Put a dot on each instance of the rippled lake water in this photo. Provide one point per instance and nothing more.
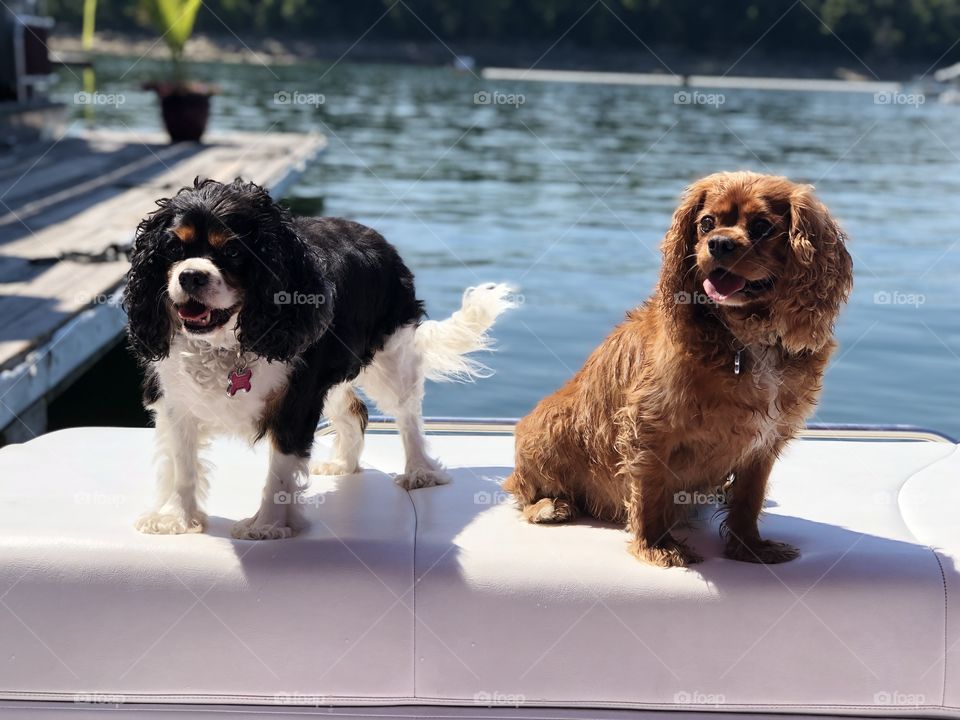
(568, 194)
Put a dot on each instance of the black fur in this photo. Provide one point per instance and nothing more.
(151, 389)
(324, 293)
(372, 295)
(145, 297)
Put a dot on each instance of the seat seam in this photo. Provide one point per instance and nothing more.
(413, 591)
(946, 619)
(381, 701)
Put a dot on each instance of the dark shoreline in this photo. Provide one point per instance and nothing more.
(667, 60)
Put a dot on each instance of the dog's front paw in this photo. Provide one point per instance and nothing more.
(422, 478)
(168, 523)
(668, 552)
(250, 529)
(768, 552)
(333, 467)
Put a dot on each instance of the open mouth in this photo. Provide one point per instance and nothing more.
(198, 318)
(721, 285)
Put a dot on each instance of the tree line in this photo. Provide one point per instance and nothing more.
(892, 29)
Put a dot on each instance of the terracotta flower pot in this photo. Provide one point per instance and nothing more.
(186, 110)
(185, 115)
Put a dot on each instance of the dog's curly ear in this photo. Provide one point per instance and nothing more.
(149, 328)
(288, 305)
(677, 286)
(817, 279)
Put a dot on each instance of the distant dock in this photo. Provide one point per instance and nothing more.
(68, 212)
(692, 81)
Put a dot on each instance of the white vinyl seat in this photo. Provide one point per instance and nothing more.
(91, 606)
(444, 597)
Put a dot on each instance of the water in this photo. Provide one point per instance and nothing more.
(569, 194)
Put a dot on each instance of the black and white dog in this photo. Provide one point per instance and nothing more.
(253, 322)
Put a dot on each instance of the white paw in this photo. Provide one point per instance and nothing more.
(249, 530)
(161, 523)
(422, 478)
(333, 467)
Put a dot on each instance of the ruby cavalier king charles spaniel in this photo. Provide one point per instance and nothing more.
(704, 384)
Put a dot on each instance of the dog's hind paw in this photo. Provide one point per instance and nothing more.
(668, 552)
(767, 552)
(550, 510)
(422, 478)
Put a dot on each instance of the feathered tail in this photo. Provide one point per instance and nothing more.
(446, 344)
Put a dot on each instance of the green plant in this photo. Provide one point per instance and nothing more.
(89, 23)
(174, 20)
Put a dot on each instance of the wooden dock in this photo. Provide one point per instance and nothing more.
(81, 198)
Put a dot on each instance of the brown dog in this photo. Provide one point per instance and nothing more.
(706, 381)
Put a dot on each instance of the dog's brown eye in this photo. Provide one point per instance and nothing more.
(706, 224)
(173, 248)
(231, 251)
(759, 229)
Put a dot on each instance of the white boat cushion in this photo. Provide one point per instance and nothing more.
(563, 614)
(91, 606)
(444, 596)
(930, 504)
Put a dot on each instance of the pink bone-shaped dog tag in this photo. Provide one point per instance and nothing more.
(239, 380)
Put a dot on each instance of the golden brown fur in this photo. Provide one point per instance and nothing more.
(658, 408)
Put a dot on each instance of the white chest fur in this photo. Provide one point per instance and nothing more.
(194, 379)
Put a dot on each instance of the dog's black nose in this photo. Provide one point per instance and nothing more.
(193, 280)
(720, 245)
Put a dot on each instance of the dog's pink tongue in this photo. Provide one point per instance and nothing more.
(191, 310)
(720, 285)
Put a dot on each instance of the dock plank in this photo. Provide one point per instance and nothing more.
(98, 203)
(31, 312)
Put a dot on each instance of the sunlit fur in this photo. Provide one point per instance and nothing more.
(312, 307)
(658, 409)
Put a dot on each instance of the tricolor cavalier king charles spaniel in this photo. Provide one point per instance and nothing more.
(253, 322)
(703, 385)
